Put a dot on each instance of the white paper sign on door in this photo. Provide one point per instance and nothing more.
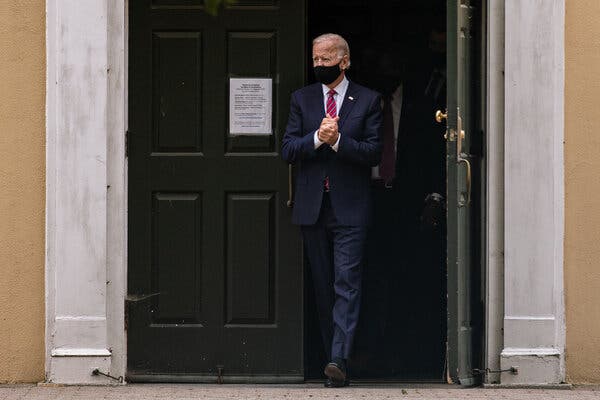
(250, 106)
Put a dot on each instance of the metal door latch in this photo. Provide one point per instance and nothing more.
(512, 370)
(96, 372)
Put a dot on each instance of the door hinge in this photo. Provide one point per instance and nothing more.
(126, 316)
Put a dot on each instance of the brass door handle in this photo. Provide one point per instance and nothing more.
(440, 116)
(461, 157)
(468, 165)
(290, 202)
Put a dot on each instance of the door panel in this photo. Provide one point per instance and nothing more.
(463, 265)
(177, 111)
(214, 262)
(250, 216)
(176, 273)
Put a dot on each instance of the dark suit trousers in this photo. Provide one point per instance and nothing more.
(335, 254)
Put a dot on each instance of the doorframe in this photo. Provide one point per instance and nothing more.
(525, 317)
(86, 190)
(493, 245)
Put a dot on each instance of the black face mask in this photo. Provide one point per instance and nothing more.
(326, 75)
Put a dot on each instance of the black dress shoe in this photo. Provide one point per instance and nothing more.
(336, 371)
(330, 383)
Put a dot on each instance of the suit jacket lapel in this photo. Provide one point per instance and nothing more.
(348, 104)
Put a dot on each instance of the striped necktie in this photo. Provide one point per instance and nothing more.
(332, 111)
(331, 106)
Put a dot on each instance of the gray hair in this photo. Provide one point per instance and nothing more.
(340, 43)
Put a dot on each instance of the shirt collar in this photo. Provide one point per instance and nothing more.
(340, 88)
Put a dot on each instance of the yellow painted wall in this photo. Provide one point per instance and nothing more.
(22, 191)
(582, 180)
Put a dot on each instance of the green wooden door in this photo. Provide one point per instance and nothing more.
(462, 166)
(215, 266)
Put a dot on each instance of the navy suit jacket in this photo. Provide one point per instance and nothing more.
(349, 169)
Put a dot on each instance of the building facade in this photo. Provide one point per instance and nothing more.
(65, 205)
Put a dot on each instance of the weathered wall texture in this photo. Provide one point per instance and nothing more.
(22, 180)
(582, 180)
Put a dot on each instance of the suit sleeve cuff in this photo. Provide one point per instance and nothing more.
(316, 140)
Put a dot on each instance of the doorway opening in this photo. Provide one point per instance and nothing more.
(214, 261)
(398, 49)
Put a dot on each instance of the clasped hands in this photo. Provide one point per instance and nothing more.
(328, 131)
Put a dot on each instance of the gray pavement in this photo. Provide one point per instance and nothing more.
(263, 392)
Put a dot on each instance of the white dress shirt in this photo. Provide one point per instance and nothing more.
(338, 97)
(396, 100)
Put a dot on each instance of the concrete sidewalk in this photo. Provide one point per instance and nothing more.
(287, 392)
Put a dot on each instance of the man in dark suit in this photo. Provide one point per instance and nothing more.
(333, 137)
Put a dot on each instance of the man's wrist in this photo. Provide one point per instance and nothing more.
(336, 145)
(317, 142)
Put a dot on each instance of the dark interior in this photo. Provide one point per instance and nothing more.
(402, 330)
